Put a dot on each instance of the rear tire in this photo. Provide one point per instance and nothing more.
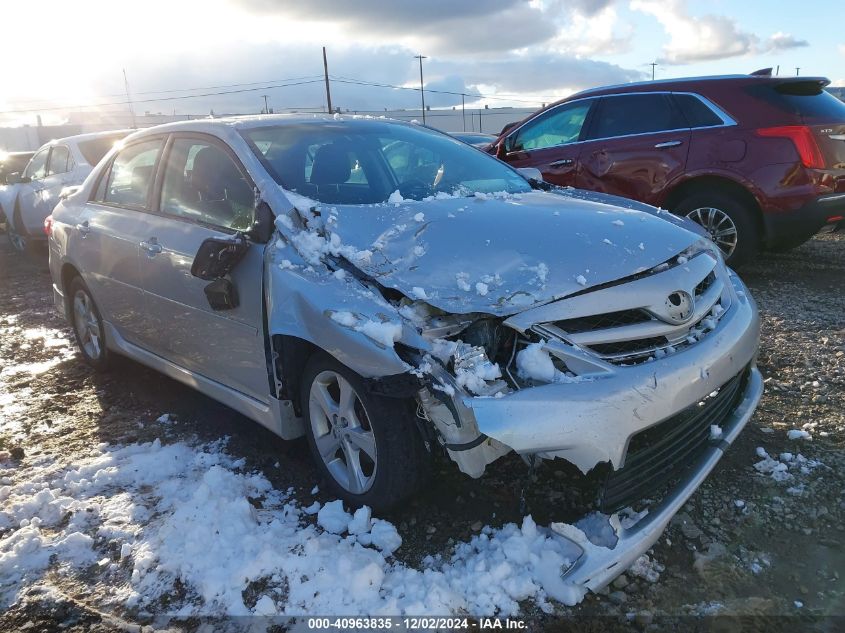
(366, 447)
(731, 225)
(88, 326)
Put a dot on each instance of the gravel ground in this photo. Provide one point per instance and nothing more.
(762, 537)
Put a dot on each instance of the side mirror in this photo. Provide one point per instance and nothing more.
(217, 257)
(16, 179)
(500, 150)
(264, 225)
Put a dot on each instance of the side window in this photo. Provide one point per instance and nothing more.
(696, 112)
(37, 167)
(558, 127)
(203, 183)
(635, 114)
(130, 177)
(58, 160)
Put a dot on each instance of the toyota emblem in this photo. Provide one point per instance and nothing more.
(679, 306)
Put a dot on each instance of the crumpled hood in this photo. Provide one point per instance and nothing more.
(503, 254)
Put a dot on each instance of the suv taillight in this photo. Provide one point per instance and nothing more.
(48, 225)
(804, 141)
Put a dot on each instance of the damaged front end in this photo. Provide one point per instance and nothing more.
(630, 375)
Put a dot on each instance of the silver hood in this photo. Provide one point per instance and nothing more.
(502, 255)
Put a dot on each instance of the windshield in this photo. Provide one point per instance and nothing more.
(367, 162)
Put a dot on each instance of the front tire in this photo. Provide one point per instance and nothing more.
(366, 447)
(730, 224)
(88, 326)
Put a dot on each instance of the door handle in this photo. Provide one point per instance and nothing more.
(83, 228)
(151, 246)
(668, 144)
(562, 162)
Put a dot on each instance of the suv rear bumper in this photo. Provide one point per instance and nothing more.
(795, 227)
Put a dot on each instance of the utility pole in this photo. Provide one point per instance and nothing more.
(266, 107)
(422, 91)
(652, 64)
(463, 111)
(777, 70)
(797, 70)
(129, 100)
(326, 75)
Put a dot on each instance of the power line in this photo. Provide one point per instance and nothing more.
(194, 96)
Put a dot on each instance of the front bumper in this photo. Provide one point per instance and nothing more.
(602, 565)
(795, 227)
(592, 421)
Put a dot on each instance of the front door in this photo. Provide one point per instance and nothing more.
(205, 193)
(635, 145)
(549, 142)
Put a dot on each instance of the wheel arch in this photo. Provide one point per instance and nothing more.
(721, 184)
(67, 274)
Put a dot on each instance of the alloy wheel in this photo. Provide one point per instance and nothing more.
(719, 226)
(87, 325)
(342, 432)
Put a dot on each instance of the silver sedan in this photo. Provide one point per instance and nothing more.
(394, 294)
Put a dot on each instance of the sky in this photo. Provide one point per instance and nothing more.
(518, 53)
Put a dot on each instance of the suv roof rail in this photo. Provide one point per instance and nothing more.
(763, 72)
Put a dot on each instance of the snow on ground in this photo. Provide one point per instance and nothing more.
(136, 518)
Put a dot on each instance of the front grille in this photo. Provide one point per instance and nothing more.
(660, 454)
(629, 348)
(705, 283)
(602, 321)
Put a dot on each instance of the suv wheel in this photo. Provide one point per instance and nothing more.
(729, 224)
(367, 447)
(87, 325)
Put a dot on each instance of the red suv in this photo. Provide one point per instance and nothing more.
(759, 161)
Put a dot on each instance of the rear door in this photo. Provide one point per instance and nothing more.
(636, 144)
(550, 142)
(107, 238)
(30, 193)
(205, 192)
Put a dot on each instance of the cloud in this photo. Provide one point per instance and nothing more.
(707, 37)
(694, 39)
(438, 26)
(842, 49)
(784, 41)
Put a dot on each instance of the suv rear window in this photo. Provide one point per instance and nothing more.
(806, 100)
(696, 112)
(95, 149)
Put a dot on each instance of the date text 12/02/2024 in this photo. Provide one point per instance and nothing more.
(415, 623)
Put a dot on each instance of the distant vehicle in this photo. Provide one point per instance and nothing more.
(758, 161)
(394, 294)
(31, 195)
(476, 139)
(10, 163)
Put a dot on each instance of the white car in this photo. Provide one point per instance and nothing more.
(31, 195)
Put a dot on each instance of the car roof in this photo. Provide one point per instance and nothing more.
(210, 125)
(684, 83)
(89, 136)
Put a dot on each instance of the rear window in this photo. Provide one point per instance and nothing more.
(696, 112)
(94, 150)
(804, 100)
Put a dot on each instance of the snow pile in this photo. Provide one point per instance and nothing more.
(785, 466)
(152, 514)
(383, 332)
(535, 363)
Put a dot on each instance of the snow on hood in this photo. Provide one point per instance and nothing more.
(501, 254)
